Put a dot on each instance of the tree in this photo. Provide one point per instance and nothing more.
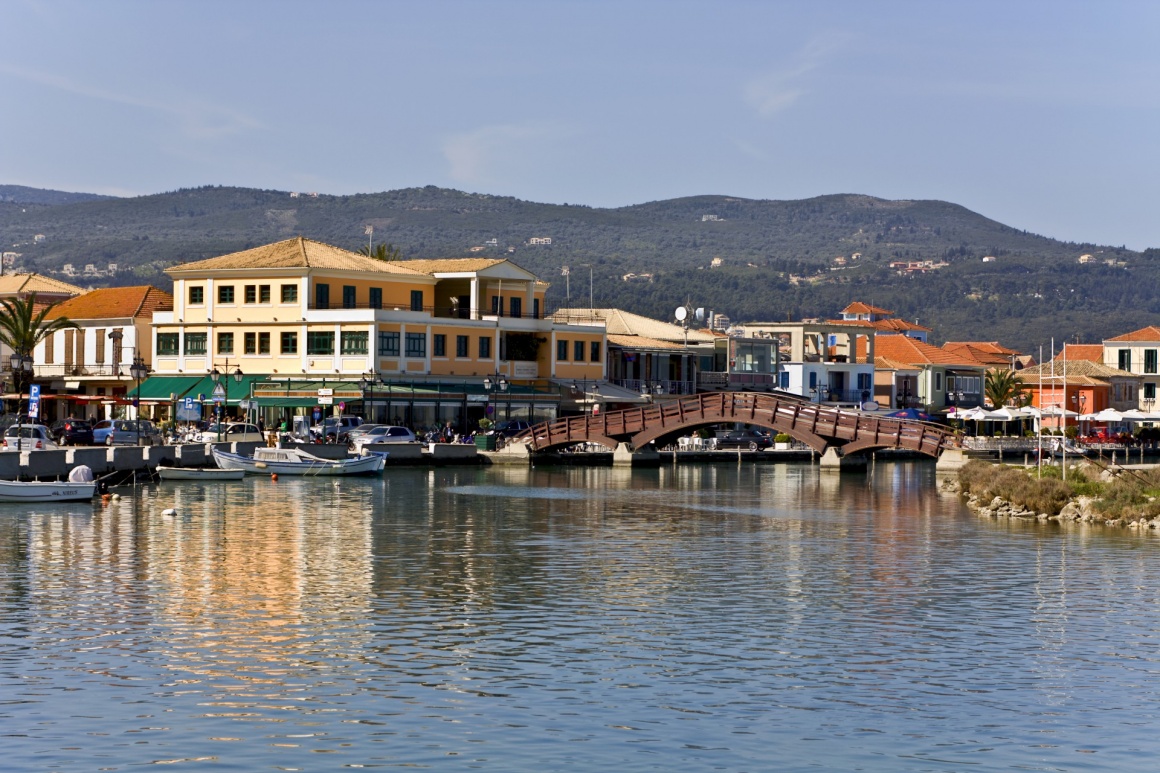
(23, 325)
(1002, 387)
(382, 252)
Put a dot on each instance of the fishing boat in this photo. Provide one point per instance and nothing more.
(46, 491)
(199, 473)
(295, 461)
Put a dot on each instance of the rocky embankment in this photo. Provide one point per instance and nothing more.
(1079, 509)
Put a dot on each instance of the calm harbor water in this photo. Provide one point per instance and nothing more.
(735, 618)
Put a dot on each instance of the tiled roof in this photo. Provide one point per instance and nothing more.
(857, 307)
(882, 325)
(984, 353)
(994, 347)
(25, 284)
(914, 352)
(1074, 368)
(1150, 333)
(642, 342)
(295, 253)
(885, 363)
(620, 322)
(114, 303)
(1090, 352)
(448, 265)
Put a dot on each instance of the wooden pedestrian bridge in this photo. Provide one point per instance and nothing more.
(831, 432)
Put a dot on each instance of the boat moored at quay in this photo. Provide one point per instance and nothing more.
(295, 461)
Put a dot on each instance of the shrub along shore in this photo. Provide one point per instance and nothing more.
(1120, 497)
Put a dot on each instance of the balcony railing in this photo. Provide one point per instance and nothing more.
(718, 380)
(77, 371)
(662, 387)
(446, 312)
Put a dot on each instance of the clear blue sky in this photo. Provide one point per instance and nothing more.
(1042, 115)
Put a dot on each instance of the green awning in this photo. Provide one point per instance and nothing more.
(162, 387)
(286, 402)
(235, 391)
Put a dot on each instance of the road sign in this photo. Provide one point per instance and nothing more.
(326, 401)
(326, 392)
(219, 390)
(34, 401)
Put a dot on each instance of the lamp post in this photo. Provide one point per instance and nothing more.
(367, 383)
(493, 384)
(216, 375)
(21, 364)
(139, 370)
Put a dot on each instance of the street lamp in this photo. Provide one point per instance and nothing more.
(500, 384)
(21, 364)
(138, 370)
(216, 375)
(367, 382)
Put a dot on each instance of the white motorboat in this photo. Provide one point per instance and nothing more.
(206, 474)
(295, 461)
(46, 491)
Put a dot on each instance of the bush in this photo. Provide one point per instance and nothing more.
(781, 437)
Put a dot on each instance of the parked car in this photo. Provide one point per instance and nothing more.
(383, 434)
(753, 439)
(361, 429)
(134, 432)
(231, 433)
(28, 437)
(511, 428)
(72, 432)
(101, 431)
(336, 428)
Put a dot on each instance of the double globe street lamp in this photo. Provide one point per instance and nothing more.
(216, 375)
(139, 371)
(21, 364)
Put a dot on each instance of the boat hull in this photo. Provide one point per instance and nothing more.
(363, 465)
(22, 491)
(199, 473)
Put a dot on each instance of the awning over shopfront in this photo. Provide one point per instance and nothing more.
(235, 390)
(160, 388)
(599, 392)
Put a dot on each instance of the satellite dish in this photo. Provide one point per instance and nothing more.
(681, 313)
(700, 315)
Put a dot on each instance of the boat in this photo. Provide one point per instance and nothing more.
(295, 461)
(46, 491)
(199, 473)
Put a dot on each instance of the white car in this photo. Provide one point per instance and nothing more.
(231, 433)
(28, 437)
(384, 434)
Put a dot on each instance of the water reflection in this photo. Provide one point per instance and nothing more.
(686, 616)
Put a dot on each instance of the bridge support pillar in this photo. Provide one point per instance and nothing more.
(834, 461)
(626, 456)
(950, 460)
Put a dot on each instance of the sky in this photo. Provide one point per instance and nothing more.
(1040, 115)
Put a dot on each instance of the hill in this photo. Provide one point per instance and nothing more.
(749, 259)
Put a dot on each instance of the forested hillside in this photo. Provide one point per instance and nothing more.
(774, 259)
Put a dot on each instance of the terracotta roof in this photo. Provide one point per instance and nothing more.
(986, 353)
(114, 303)
(885, 363)
(642, 342)
(25, 284)
(857, 307)
(295, 253)
(448, 265)
(1089, 352)
(620, 322)
(882, 325)
(914, 352)
(1075, 368)
(1150, 333)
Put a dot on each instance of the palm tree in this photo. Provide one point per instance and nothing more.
(1002, 387)
(23, 325)
(382, 252)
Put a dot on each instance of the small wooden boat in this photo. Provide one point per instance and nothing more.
(46, 491)
(199, 473)
(295, 461)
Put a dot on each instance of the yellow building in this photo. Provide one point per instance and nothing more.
(420, 341)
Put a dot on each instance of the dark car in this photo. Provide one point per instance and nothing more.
(72, 432)
(745, 438)
(511, 428)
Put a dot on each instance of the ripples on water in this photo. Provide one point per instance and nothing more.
(690, 618)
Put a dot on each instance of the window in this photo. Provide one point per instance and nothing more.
(1125, 359)
(354, 342)
(251, 343)
(196, 295)
(938, 382)
(594, 350)
(225, 293)
(416, 300)
(561, 350)
(1150, 390)
(416, 344)
(813, 380)
(251, 293)
(578, 351)
(1149, 360)
(388, 344)
(166, 344)
(322, 296)
(195, 343)
(289, 343)
(496, 309)
(439, 342)
(535, 308)
(376, 297)
(484, 348)
(263, 293)
(864, 382)
(289, 293)
(461, 346)
(318, 342)
(348, 296)
(263, 343)
(517, 307)
(783, 380)
(225, 343)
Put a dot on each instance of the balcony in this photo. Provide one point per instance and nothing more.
(717, 380)
(104, 370)
(445, 312)
(655, 387)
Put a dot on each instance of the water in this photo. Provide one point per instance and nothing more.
(691, 618)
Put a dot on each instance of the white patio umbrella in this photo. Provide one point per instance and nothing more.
(973, 414)
(1107, 415)
(1004, 414)
(1135, 414)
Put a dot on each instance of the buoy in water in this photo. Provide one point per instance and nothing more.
(273, 476)
(171, 512)
(116, 497)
